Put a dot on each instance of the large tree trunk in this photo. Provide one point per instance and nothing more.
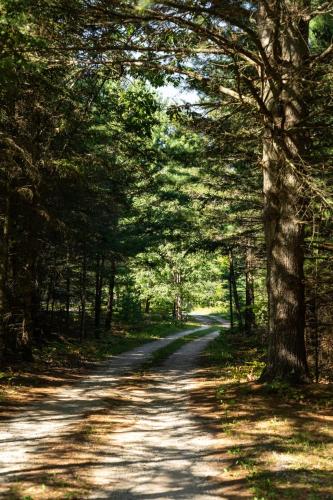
(283, 37)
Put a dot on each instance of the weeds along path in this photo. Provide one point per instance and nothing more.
(41, 424)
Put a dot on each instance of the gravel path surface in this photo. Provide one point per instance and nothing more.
(166, 454)
(22, 438)
(154, 449)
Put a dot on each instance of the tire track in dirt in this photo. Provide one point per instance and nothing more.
(165, 453)
(42, 424)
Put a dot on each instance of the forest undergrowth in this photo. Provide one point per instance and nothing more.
(276, 437)
(274, 440)
(65, 360)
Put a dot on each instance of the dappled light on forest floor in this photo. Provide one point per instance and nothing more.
(141, 436)
(136, 440)
(279, 437)
(65, 361)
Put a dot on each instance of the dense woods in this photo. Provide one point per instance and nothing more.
(166, 249)
(119, 206)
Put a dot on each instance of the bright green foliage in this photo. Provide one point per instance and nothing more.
(111, 200)
(167, 273)
(321, 32)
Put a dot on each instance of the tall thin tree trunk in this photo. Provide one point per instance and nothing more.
(27, 292)
(37, 301)
(147, 305)
(4, 260)
(284, 39)
(27, 326)
(249, 291)
(48, 293)
(315, 322)
(112, 282)
(52, 310)
(68, 291)
(231, 312)
(312, 314)
(83, 294)
(27, 283)
(235, 290)
(98, 293)
(179, 312)
(178, 298)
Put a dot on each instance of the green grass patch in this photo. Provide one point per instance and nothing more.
(70, 353)
(112, 344)
(219, 351)
(276, 436)
(161, 355)
(219, 311)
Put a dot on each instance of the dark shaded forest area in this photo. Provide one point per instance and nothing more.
(116, 204)
(166, 249)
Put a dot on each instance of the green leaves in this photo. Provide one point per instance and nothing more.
(143, 4)
(321, 32)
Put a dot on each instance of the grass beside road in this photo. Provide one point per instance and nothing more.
(120, 340)
(65, 360)
(276, 438)
(162, 354)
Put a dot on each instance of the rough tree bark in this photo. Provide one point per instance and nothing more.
(284, 39)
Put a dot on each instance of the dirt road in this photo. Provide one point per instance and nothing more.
(165, 453)
(153, 446)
